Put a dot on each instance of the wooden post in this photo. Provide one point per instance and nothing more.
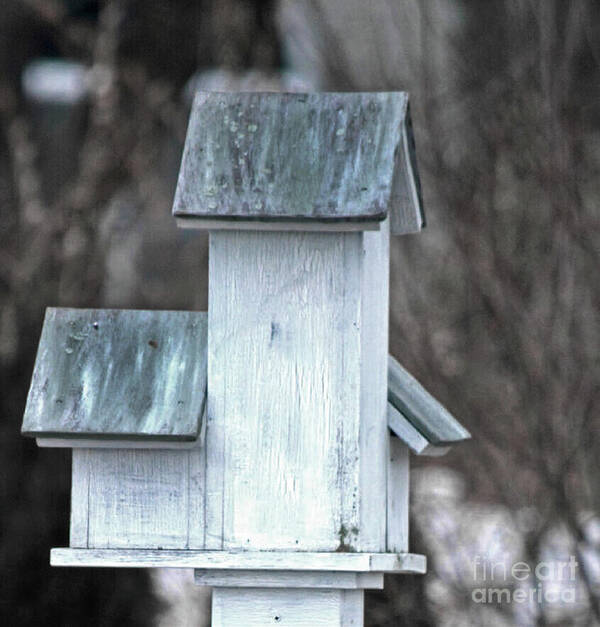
(257, 607)
(257, 598)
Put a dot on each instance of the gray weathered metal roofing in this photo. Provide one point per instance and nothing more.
(415, 441)
(433, 421)
(119, 374)
(323, 157)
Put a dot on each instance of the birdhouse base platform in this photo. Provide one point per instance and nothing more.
(407, 563)
(258, 588)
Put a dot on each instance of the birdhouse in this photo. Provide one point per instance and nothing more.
(264, 444)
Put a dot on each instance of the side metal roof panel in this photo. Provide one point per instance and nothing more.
(423, 411)
(118, 374)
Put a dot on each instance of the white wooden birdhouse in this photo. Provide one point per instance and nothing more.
(264, 444)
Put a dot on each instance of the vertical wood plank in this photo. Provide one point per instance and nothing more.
(352, 608)
(196, 491)
(373, 397)
(80, 477)
(398, 496)
(294, 607)
(138, 499)
(284, 371)
(215, 423)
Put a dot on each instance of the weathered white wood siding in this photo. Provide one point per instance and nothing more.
(257, 607)
(80, 473)
(398, 496)
(296, 422)
(295, 450)
(137, 499)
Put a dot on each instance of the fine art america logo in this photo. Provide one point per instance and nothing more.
(546, 582)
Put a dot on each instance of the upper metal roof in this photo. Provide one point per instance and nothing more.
(118, 374)
(433, 421)
(320, 157)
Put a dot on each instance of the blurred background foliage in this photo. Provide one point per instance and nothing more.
(495, 307)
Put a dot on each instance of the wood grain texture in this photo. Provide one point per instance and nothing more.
(295, 431)
(321, 157)
(284, 384)
(118, 374)
(234, 607)
(80, 488)
(243, 560)
(398, 497)
(196, 514)
(288, 579)
(138, 499)
(258, 607)
(423, 411)
(373, 431)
